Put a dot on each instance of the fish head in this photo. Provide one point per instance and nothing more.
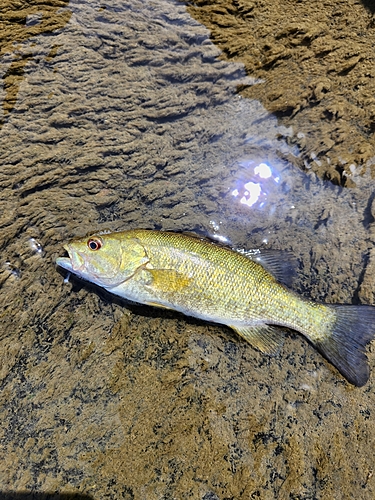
(104, 259)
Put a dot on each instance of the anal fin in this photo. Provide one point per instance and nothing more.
(267, 339)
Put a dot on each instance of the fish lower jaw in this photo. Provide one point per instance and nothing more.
(65, 263)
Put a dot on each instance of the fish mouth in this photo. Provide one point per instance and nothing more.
(65, 263)
(74, 263)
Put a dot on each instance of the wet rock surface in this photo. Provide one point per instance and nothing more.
(316, 65)
(126, 117)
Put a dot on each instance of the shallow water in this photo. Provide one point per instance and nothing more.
(125, 115)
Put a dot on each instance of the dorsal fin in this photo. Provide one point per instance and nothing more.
(280, 263)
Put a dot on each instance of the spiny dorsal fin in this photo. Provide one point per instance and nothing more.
(280, 263)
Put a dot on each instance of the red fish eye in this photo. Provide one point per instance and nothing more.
(94, 243)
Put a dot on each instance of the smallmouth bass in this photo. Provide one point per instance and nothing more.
(208, 281)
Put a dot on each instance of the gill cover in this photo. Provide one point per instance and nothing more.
(105, 259)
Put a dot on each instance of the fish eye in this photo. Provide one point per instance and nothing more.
(94, 243)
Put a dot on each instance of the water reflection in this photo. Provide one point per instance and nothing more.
(36, 246)
(215, 230)
(262, 182)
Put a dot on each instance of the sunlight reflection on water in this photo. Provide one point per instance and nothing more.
(255, 189)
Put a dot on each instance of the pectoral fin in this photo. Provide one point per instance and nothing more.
(166, 280)
(267, 339)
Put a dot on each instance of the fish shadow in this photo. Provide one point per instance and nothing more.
(369, 5)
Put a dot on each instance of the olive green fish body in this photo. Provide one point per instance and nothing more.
(212, 282)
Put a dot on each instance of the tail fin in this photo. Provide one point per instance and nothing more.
(345, 347)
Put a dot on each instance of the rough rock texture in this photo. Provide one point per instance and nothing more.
(317, 66)
(124, 116)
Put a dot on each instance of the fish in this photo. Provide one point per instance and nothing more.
(245, 290)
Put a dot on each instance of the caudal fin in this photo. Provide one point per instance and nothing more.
(345, 346)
